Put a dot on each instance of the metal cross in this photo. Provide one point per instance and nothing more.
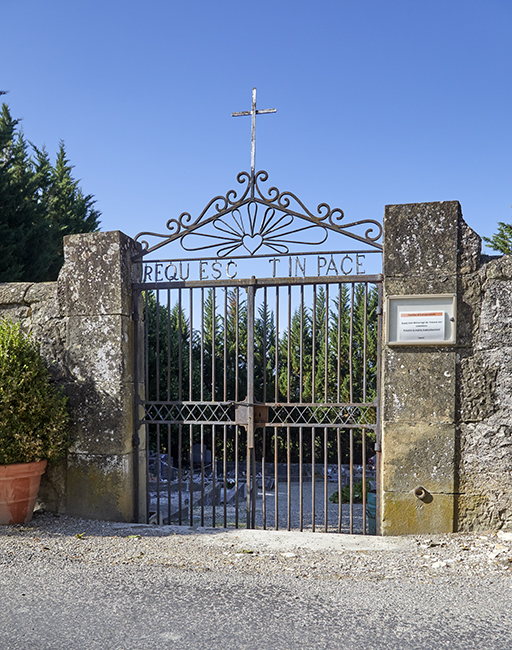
(253, 112)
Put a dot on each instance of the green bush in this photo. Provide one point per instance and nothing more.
(34, 421)
(345, 493)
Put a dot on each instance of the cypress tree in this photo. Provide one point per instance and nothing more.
(39, 204)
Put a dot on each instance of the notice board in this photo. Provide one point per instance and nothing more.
(421, 319)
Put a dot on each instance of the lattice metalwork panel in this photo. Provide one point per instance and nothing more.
(188, 412)
(323, 415)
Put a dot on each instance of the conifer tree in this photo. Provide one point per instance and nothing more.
(501, 241)
(39, 204)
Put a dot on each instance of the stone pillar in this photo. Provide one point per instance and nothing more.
(422, 255)
(95, 301)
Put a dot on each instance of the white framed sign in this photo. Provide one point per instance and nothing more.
(421, 319)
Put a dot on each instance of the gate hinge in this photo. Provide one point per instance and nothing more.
(135, 316)
(135, 440)
(378, 310)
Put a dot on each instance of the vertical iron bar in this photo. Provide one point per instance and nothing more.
(351, 397)
(146, 391)
(224, 473)
(288, 389)
(326, 379)
(190, 341)
(169, 473)
(214, 460)
(263, 491)
(301, 391)
(338, 398)
(251, 466)
(264, 432)
(136, 407)
(340, 487)
(157, 397)
(313, 346)
(378, 404)
(214, 476)
(191, 478)
(180, 472)
(201, 441)
(237, 428)
(363, 432)
(313, 355)
(214, 323)
(276, 399)
(169, 464)
(313, 481)
(225, 436)
(201, 365)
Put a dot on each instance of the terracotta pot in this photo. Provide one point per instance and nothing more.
(19, 485)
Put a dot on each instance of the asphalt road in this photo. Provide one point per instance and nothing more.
(79, 606)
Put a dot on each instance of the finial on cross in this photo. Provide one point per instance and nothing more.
(253, 112)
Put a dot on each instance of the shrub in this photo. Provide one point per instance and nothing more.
(34, 422)
(345, 493)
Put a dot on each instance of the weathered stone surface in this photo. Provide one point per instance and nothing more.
(97, 275)
(496, 316)
(421, 239)
(13, 293)
(418, 454)
(470, 249)
(404, 514)
(100, 349)
(488, 510)
(419, 384)
(100, 486)
(101, 422)
(499, 268)
(469, 300)
(40, 292)
(478, 399)
(399, 286)
(83, 326)
(52, 491)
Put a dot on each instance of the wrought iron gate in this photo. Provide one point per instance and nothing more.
(260, 405)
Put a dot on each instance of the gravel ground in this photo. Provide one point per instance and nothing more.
(81, 584)
(64, 540)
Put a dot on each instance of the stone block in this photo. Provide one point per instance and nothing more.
(41, 292)
(97, 274)
(404, 514)
(52, 491)
(100, 350)
(484, 511)
(470, 249)
(419, 384)
(102, 423)
(499, 268)
(420, 239)
(496, 315)
(418, 455)
(399, 286)
(469, 300)
(100, 487)
(13, 293)
(477, 387)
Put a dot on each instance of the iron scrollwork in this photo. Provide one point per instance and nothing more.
(257, 221)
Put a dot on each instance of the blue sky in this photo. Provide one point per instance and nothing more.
(378, 102)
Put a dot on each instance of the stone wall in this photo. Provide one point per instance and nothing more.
(485, 453)
(447, 410)
(84, 328)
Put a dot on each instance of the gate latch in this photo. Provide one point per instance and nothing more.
(260, 414)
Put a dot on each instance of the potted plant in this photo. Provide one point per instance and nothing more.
(34, 423)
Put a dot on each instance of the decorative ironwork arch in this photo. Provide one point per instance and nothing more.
(257, 221)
